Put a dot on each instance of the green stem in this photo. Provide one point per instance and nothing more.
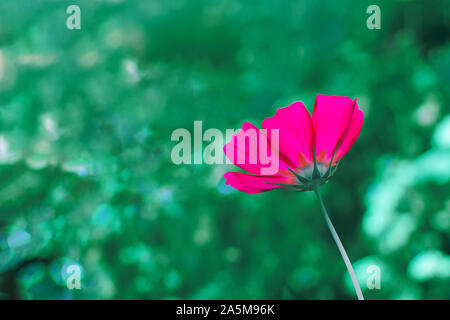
(340, 247)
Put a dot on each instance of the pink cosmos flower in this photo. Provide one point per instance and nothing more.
(308, 148)
(306, 151)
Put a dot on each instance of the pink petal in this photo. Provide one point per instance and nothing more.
(252, 184)
(352, 134)
(331, 118)
(247, 149)
(295, 133)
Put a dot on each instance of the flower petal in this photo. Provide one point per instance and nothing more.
(352, 134)
(295, 133)
(250, 150)
(331, 118)
(253, 184)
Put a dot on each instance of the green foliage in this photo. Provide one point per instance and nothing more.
(86, 176)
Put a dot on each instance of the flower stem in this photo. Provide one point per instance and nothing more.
(340, 247)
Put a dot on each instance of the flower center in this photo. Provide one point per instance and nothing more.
(307, 171)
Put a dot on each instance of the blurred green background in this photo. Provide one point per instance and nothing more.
(86, 176)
